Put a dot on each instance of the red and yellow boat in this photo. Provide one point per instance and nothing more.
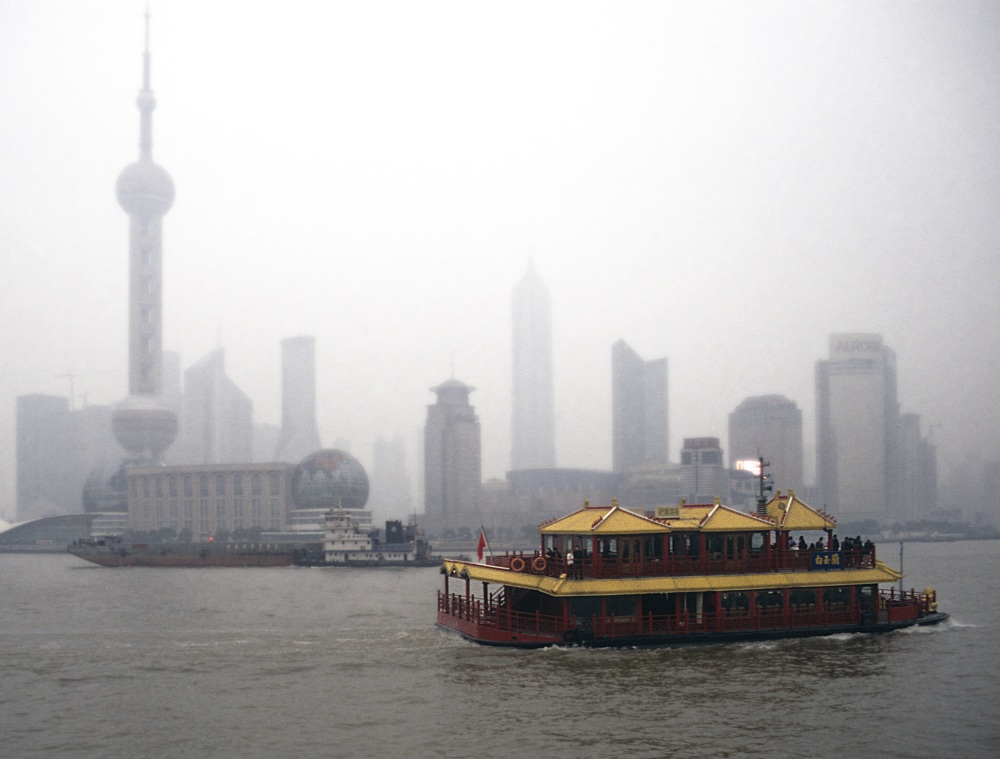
(704, 573)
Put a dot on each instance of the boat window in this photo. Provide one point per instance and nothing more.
(621, 606)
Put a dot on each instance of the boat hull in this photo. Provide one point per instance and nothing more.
(492, 636)
(186, 555)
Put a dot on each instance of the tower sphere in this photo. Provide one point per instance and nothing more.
(144, 425)
(145, 189)
(330, 479)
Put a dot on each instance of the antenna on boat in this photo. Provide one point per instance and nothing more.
(901, 569)
(764, 486)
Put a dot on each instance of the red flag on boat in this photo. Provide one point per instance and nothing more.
(481, 545)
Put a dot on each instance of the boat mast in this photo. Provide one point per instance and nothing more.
(764, 486)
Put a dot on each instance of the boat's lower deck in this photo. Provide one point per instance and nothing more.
(515, 616)
(708, 631)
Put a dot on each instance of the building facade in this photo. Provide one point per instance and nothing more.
(704, 475)
(533, 427)
(452, 454)
(769, 426)
(639, 416)
(209, 500)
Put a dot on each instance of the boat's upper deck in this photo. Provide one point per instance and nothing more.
(610, 542)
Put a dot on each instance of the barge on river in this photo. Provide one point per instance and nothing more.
(115, 552)
(607, 576)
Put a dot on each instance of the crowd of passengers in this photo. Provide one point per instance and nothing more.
(849, 544)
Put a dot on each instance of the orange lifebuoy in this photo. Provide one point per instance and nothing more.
(539, 564)
(517, 564)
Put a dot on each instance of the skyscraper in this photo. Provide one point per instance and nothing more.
(769, 426)
(299, 431)
(390, 495)
(703, 474)
(143, 423)
(639, 422)
(452, 453)
(533, 430)
(218, 416)
(45, 471)
(857, 419)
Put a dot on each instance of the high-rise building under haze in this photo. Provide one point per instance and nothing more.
(533, 429)
(769, 426)
(857, 420)
(143, 423)
(389, 495)
(452, 454)
(218, 416)
(639, 419)
(299, 432)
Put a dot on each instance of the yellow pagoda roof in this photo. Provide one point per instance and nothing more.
(604, 520)
(792, 514)
(563, 587)
(615, 520)
(725, 519)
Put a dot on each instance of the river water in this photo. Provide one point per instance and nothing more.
(99, 662)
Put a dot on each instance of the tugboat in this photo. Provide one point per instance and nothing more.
(346, 545)
(687, 574)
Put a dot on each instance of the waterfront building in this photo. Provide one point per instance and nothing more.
(533, 434)
(299, 432)
(452, 454)
(209, 499)
(639, 419)
(769, 426)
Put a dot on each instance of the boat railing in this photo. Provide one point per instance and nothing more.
(588, 566)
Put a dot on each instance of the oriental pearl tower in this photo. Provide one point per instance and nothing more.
(143, 424)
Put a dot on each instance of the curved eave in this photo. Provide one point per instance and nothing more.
(562, 587)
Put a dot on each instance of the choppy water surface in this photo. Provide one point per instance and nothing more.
(98, 662)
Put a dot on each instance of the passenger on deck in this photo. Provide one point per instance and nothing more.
(835, 543)
(802, 543)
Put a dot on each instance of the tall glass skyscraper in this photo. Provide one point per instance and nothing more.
(857, 418)
(533, 427)
(639, 420)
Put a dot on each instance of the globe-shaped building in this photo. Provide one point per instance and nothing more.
(330, 479)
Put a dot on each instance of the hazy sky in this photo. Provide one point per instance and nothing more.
(724, 184)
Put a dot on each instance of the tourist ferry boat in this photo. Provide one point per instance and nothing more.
(706, 573)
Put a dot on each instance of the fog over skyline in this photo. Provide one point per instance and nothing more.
(722, 184)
